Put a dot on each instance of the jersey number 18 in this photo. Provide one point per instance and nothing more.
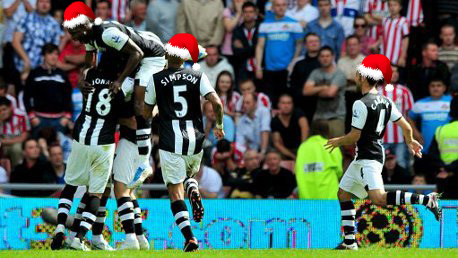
(103, 105)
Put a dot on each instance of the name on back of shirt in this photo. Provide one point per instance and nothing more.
(179, 76)
(379, 100)
(98, 81)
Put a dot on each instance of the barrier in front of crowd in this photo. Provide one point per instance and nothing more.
(248, 224)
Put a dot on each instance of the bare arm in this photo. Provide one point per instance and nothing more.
(147, 111)
(310, 89)
(75, 59)
(299, 44)
(416, 133)
(349, 139)
(329, 91)
(66, 66)
(28, 7)
(403, 57)
(17, 45)
(304, 125)
(264, 141)
(414, 146)
(278, 144)
(231, 23)
(259, 54)
(10, 10)
(217, 106)
(135, 56)
(89, 59)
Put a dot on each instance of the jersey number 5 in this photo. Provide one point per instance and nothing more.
(381, 122)
(180, 99)
(103, 106)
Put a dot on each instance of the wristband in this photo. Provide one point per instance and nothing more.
(219, 127)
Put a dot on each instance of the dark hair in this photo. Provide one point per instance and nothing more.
(375, 83)
(311, 34)
(360, 17)
(231, 89)
(49, 134)
(274, 151)
(326, 48)
(454, 108)
(248, 4)
(448, 25)
(427, 43)
(329, 1)
(320, 127)
(212, 46)
(5, 102)
(223, 145)
(398, 1)
(242, 81)
(49, 48)
(103, 1)
(286, 95)
(54, 145)
(353, 36)
(26, 141)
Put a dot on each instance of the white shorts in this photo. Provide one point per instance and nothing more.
(175, 167)
(90, 166)
(125, 162)
(361, 176)
(148, 67)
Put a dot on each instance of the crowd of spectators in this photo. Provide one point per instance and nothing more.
(284, 70)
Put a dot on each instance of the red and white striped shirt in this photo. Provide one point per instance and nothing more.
(403, 99)
(15, 126)
(394, 30)
(415, 13)
(376, 8)
(119, 10)
(230, 105)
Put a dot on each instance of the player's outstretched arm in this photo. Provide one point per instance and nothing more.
(219, 111)
(135, 56)
(349, 139)
(414, 146)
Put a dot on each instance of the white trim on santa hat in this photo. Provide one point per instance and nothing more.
(374, 74)
(182, 53)
(79, 20)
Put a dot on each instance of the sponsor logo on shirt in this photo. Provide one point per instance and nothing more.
(116, 38)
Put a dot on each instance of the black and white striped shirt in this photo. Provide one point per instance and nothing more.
(178, 94)
(97, 122)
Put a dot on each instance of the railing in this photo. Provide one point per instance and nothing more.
(161, 187)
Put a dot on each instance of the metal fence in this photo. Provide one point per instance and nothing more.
(161, 187)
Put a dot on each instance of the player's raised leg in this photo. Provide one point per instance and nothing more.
(98, 242)
(191, 187)
(430, 201)
(65, 204)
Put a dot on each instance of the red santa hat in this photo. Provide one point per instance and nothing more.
(184, 46)
(78, 13)
(377, 67)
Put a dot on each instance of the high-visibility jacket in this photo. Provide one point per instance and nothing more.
(447, 142)
(317, 170)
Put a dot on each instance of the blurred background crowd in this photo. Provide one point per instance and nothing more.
(284, 70)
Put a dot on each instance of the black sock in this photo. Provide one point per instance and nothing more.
(138, 218)
(143, 134)
(126, 214)
(79, 213)
(401, 198)
(89, 216)
(190, 184)
(65, 203)
(181, 214)
(348, 212)
(97, 228)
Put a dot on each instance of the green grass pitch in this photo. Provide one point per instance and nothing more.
(366, 253)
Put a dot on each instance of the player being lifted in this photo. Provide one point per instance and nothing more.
(364, 175)
(145, 56)
(181, 131)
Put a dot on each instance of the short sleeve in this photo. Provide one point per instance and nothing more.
(265, 120)
(262, 31)
(114, 38)
(415, 112)
(314, 76)
(395, 114)
(359, 115)
(298, 32)
(205, 85)
(21, 26)
(150, 92)
(89, 47)
(405, 28)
